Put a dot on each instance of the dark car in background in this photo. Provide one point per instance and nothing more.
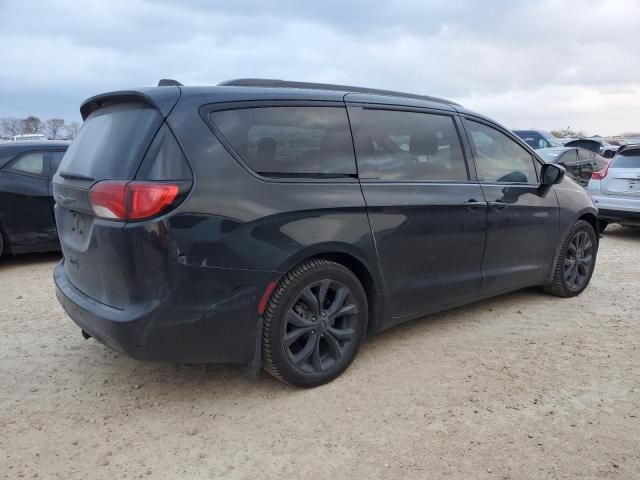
(596, 146)
(578, 162)
(27, 221)
(537, 139)
(278, 223)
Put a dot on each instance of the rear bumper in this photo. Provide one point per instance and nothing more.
(178, 328)
(617, 208)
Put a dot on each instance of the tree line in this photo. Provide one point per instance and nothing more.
(54, 128)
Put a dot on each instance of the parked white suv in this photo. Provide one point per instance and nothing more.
(616, 188)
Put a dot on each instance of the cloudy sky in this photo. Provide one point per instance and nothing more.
(527, 63)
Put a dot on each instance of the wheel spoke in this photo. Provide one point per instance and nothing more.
(574, 275)
(294, 335)
(296, 320)
(338, 301)
(322, 292)
(349, 309)
(342, 334)
(299, 358)
(334, 346)
(311, 300)
(316, 361)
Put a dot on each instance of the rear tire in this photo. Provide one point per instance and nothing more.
(314, 323)
(576, 261)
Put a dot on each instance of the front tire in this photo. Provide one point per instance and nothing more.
(314, 323)
(576, 262)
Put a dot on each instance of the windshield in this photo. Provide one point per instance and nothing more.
(629, 159)
(551, 139)
(111, 142)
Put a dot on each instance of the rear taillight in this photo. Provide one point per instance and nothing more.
(600, 174)
(133, 200)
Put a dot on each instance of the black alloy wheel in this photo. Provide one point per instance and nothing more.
(578, 260)
(314, 323)
(320, 325)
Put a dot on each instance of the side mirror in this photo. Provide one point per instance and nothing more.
(551, 174)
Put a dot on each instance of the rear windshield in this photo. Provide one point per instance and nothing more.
(629, 159)
(281, 141)
(111, 142)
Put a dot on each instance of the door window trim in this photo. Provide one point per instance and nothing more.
(471, 171)
(206, 110)
(537, 162)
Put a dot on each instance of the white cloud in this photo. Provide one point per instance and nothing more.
(539, 64)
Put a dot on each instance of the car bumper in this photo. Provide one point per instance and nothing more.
(617, 208)
(174, 329)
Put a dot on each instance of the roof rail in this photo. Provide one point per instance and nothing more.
(273, 83)
(169, 82)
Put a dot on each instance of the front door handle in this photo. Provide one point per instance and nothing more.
(498, 205)
(473, 205)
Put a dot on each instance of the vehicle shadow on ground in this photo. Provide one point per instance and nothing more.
(618, 231)
(176, 382)
(8, 262)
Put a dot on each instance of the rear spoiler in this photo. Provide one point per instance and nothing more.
(161, 98)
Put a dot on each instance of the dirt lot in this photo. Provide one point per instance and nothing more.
(524, 386)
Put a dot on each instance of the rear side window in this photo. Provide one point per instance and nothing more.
(629, 159)
(498, 157)
(111, 142)
(31, 163)
(407, 146)
(282, 141)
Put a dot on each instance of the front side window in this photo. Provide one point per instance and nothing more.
(407, 146)
(498, 157)
(31, 163)
(281, 141)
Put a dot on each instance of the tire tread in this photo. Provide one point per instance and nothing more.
(287, 282)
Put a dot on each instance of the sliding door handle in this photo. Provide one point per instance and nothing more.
(498, 205)
(473, 205)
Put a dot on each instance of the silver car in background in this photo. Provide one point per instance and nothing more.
(616, 188)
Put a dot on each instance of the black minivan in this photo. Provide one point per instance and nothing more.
(275, 224)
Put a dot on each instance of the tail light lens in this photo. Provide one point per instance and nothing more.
(133, 200)
(600, 174)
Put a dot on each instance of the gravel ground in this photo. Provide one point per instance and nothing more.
(524, 386)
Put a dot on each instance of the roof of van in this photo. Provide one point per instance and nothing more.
(164, 96)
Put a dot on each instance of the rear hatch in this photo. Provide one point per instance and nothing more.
(623, 175)
(125, 166)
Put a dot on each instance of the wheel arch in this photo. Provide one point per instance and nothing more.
(352, 259)
(592, 219)
(587, 215)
